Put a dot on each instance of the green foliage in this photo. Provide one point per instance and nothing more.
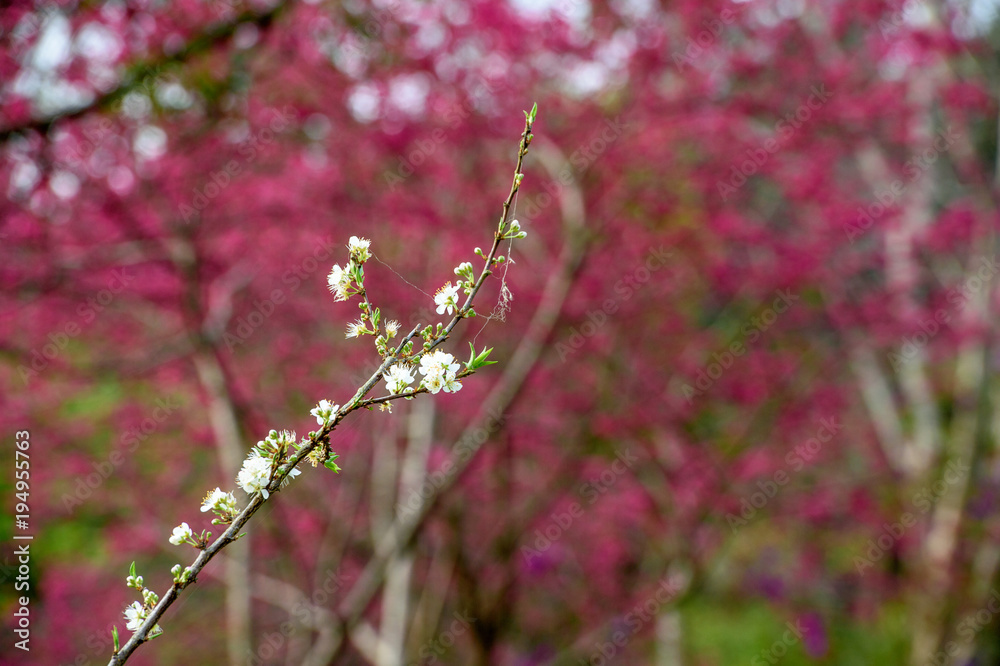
(729, 631)
(96, 403)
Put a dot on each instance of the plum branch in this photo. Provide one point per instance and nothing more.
(271, 464)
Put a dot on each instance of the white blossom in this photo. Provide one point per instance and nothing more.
(450, 384)
(182, 533)
(355, 328)
(433, 383)
(356, 244)
(392, 328)
(335, 277)
(446, 298)
(256, 471)
(323, 411)
(398, 377)
(135, 615)
(359, 248)
(439, 370)
(437, 362)
(339, 281)
(255, 474)
(219, 502)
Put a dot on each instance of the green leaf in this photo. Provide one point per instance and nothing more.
(330, 465)
(475, 362)
(131, 569)
(481, 359)
(114, 635)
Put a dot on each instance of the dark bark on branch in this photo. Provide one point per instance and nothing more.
(143, 69)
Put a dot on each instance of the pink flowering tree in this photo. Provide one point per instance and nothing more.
(744, 403)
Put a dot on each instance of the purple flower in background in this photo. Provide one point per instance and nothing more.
(815, 640)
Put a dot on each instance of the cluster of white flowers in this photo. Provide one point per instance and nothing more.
(398, 377)
(340, 279)
(256, 471)
(359, 249)
(273, 450)
(255, 474)
(439, 371)
(324, 411)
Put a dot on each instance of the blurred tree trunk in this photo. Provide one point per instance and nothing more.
(669, 636)
(905, 409)
(222, 416)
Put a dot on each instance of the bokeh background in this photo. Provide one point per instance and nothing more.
(746, 406)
